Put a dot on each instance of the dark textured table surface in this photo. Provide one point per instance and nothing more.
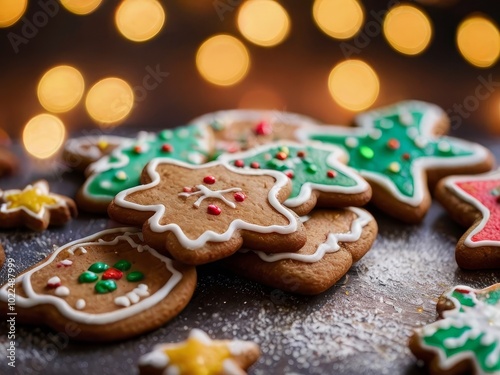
(361, 325)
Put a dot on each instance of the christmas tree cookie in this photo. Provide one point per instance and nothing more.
(398, 149)
(122, 168)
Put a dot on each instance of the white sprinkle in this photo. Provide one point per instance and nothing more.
(83, 250)
(183, 133)
(142, 290)
(420, 142)
(386, 124)
(375, 134)
(80, 304)
(54, 280)
(134, 298)
(62, 291)
(122, 301)
(351, 142)
(121, 175)
(444, 146)
(106, 184)
(66, 262)
(196, 158)
(405, 118)
(412, 133)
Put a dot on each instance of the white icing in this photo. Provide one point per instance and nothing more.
(200, 336)
(132, 297)
(451, 184)
(122, 234)
(80, 304)
(229, 367)
(62, 291)
(88, 146)
(329, 246)
(156, 359)
(238, 347)
(333, 161)
(172, 370)
(405, 117)
(42, 188)
(432, 115)
(209, 235)
(122, 301)
(205, 192)
(54, 280)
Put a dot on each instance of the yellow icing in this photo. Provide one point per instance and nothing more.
(196, 358)
(30, 198)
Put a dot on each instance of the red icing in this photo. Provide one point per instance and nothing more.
(263, 128)
(482, 192)
(255, 165)
(331, 174)
(212, 209)
(239, 196)
(239, 163)
(167, 148)
(209, 180)
(112, 273)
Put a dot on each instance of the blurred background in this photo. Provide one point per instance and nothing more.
(72, 66)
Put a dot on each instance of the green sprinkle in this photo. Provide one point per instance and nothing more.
(274, 164)
(87, 277)
(98, 267)
(307, 161)
(122, 265)
(312, 168)
(105, 286)
(366, 152)
(166, 134)
(135, 276)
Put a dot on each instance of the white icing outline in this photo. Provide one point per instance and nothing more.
(209, 235)
(122, 234)
(42, 188)
(205, 192)
(333, 161)
(431, 115)
(329, 246)
(77, 146)
(451, 183)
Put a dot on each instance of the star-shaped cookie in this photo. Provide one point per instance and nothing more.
(474, 202)
(199, 214)
(35, 207)
(200, 355)
(398, 150)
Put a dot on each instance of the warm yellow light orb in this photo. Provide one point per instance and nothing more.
(11, 11)
(81, 7)
(109, 101)
(60, 89)
(44, 135)
(354, 85)
(222, 60)
(140, 20)
(407, 29)
(478, 40)
(263, 22)
(341, 19)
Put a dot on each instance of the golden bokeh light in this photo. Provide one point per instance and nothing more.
(341, 19)
(354, 85)
(11, 11)
(44, 135)
(223, 60)
(60, 89)
(81, 7)
(263, 22)
(407, 29)
(478, 40)
(109, 101)
(140, 20)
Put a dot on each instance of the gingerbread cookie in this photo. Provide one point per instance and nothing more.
(467, 338)
(108, 286)
(399, 151)
(317, 175)
(199, 214)
(35, 207)
(8, 162)
(238, 130)
(335, 240)
(80, 152)
(474, 202)
(200, 355)
(122, 168)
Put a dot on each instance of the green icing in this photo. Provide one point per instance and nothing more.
(187, 144)
(122, 265)
(98, 267)
(312, 168)
(105, 286)
(87, 277)
(135, 276)
(370, 152)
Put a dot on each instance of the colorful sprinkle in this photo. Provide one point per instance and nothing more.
(281, 155)
(121, 176)
(254, 165)
(285, 149)
(301, 154)
(122, 265)
(263, 128)
(393, 144)
(105, 286)
(138, 149)
(88, 277)
(135, 276)
(331, 173)
(351, 142)
(239, 163)
(444, 147)
(102, 144)
(112, 273)
(98, 267)
(166, 134)
(366, 152)
(239, 196)
(212, 209)
(406, 156)
(166, 147)
(290, 174)
(209, 180)
(312, 168)
(394, 167)
(54, 282)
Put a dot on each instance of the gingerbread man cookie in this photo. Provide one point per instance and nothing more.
(199, 355)
(399, 150)
(200, 214)
(335, 240)
(122, 168)
(318, 177)
(474, 202)
(239, 130)
(108, 286)
(466, 340)
(35, 207)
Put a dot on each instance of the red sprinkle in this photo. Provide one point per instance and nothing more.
(212, 209)
(112, 273)
(281, 155)
(187, 189)
(331, 174)
(255, 165)
(263, 128)
(53, 285)
(137, 149)
(239, 196)
(393, 144)
(167, 148)
(239, 163)
(209, 180)
(289, 174)
(462, 291)
(301, 154)
(406, 156)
